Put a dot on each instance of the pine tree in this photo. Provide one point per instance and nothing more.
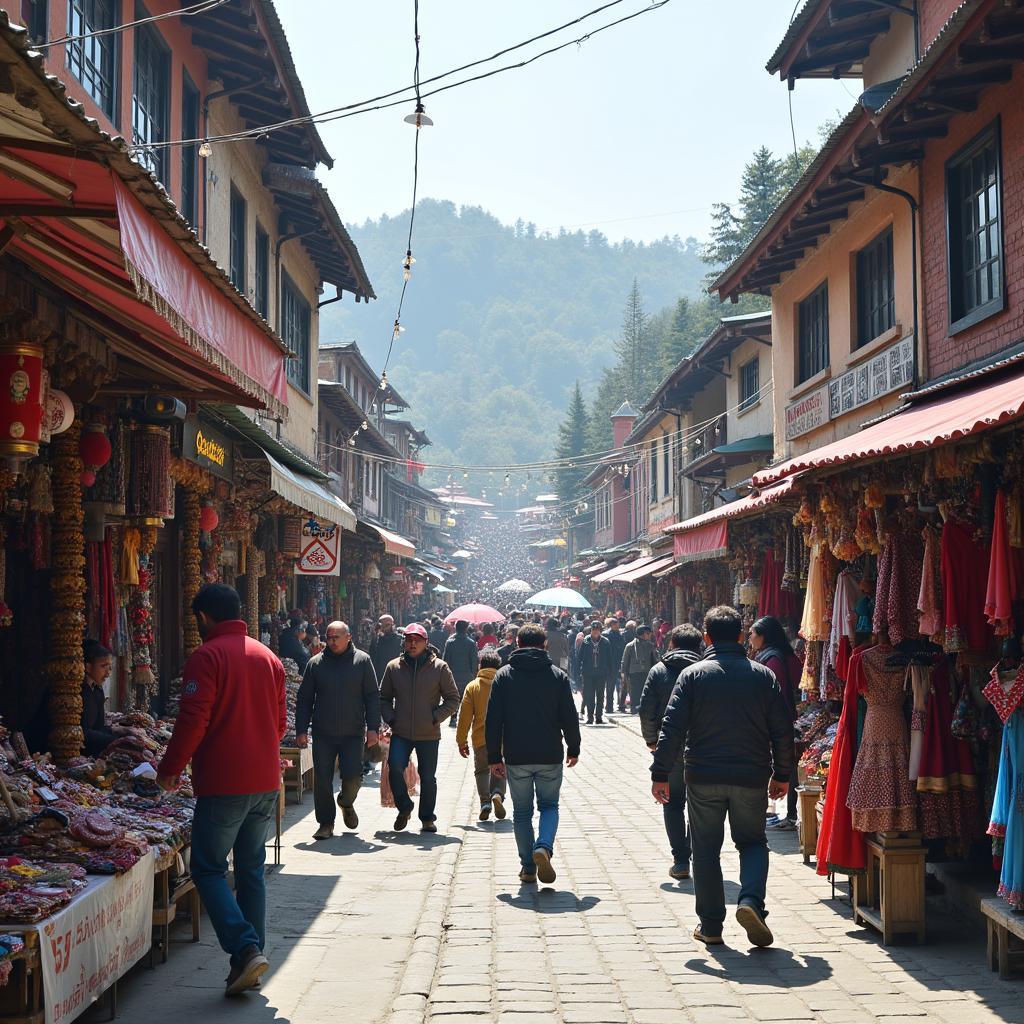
(726, 239)
(760, 191)
(636, 359)
(572, 445)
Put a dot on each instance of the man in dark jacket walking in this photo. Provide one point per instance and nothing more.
(617, 641)
(684, 649)
(638, 659)
(437, 637)
(529, 712)
(339, 695)
(462, 656)
(595, 666)
(417, 694)
(385, 646)
(731, 718)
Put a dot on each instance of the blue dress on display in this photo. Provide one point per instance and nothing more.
(1007, 819)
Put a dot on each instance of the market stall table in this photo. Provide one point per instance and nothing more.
(1005, 930)
(298, 777)
(172, 887)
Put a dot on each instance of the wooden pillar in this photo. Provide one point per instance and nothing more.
(66, 669)
(191, 557)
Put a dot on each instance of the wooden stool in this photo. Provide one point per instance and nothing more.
(809, 796)
(1005, 937)
(889, 896)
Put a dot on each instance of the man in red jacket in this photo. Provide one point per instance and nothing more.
(230, 726)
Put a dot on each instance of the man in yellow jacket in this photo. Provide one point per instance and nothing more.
(473, 713)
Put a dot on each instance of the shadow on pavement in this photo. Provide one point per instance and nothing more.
(548, 901)
(491, 826)
(422, 840)
(341, 845)
(809, 970)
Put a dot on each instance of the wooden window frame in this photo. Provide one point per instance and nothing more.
(812, 334)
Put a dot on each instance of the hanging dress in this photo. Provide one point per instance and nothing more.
(840, 847)
(899, 584)
(844, 621)
(815, 624)
(964, 582)
(1002, 586)
(1007, 819)
(929, 601)
(919, 678)
(881, 798)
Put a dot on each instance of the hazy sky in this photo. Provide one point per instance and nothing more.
(636, 132)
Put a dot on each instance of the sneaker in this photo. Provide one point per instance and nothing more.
(708, 940)
(428, 826)
(485, 812)
(785, 825)
(527, 876)
(401, 821)
(349, 816)
(323, 832)
(499, 806)
(253, 964)
(680, 870)
(545, 871)
(753, 924)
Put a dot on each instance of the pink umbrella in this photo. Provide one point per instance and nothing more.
(474, 613)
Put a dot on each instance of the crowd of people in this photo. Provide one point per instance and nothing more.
(716, 715)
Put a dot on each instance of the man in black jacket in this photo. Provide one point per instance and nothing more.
(596, 670)
(386, 645)
(529, 711)
(731, 718)
(617, 641)
(463, 658)
(507, 649)
(339, 695)
(685, 644)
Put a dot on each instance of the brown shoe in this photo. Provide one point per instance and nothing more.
(708, 940)
(349, 816)
(499, 806)
(753, 924)
(247, 973)
(527, 876)
(545, 872)
(324, 832)
(401, 821)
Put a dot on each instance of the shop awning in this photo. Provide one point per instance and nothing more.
(429, 569)
(624, 567)
(707, 536)
(635, 575)
(310, 495)
(394, 544)
(945, 419)
(590, 570)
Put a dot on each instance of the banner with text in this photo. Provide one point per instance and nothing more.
(95, 940)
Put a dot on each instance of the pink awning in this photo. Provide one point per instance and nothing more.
(702, 542)
(945, 419)
(591, 569)
(646, 570)
(394, 544)
(610, 574)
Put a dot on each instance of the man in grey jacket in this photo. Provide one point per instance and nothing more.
(638, 659)
(339, 696)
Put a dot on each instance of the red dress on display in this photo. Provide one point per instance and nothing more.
(964, 582)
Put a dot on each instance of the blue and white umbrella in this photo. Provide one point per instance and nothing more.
(560, 597)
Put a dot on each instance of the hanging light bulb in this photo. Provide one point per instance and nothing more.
(205, 149)
(352, 440)
(407, 265)
(418, 117)
(465, 476)
(508, 479)
(398, 329)
(384, 381)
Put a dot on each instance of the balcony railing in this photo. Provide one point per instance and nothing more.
(707, 439)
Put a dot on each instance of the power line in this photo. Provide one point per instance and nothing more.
(365, 107)
(199, 8)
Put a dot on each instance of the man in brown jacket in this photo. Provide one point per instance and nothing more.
(417, 694)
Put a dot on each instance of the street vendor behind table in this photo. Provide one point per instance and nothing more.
(98, 663)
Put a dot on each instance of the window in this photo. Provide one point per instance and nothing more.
(33, 17)
(150, 100)
(876, 300)
(295, 316)
(813, 334)
(654, 473)
(189, 154)
(93, 60)
(750, 383)
(236, 241)
(262, 292)
(974, 245)
(666, 474)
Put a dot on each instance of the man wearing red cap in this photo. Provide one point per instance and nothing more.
(417, 693)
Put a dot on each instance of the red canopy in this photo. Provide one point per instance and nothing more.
(944, 419)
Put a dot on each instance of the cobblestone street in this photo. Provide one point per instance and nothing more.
(404, 928)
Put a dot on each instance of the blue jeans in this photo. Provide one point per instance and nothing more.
(426, 765)
(675, 816)
(745, 806)
(523, 780)
(242, 823)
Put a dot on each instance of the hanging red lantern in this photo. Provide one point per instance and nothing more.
(94, 448)
(21, 400)
(208, 518)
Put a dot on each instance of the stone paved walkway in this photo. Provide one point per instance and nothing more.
(411, 929)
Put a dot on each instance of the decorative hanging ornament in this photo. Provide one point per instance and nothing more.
(208, 519)
(21, 401)
(95, 450)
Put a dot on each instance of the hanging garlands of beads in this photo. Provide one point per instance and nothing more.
(140, 620)
(150, 488)
(6, 615)
(66, 667)
(191, 569)
(212, 556)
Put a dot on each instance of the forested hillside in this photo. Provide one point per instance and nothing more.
(490, 375)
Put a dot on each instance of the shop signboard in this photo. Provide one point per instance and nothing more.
(94, 940)
(883, 373)
(207, 447)
(432, 516)
(807, 413)
(319, 549)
